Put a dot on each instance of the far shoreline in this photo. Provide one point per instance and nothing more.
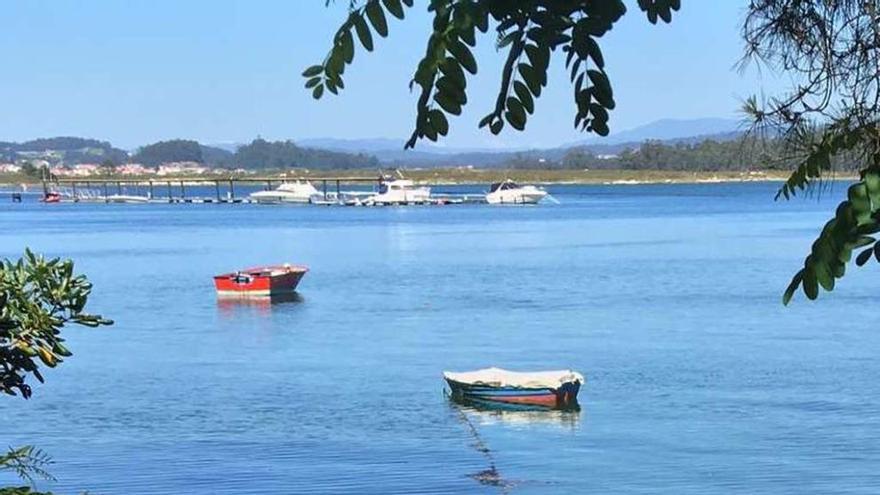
(449, 177)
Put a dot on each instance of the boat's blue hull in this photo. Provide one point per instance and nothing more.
(561, 397)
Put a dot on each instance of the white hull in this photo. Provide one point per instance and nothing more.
(273, 197)
(421, 195)
(125, 198)
(291, 192)
(399, 192)
(522, 196)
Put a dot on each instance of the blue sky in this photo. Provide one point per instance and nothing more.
(218, 71)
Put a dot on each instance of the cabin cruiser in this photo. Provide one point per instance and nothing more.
(288, 192)
(399, 192)
(509, 192)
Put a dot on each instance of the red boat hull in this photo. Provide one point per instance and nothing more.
(260, 281)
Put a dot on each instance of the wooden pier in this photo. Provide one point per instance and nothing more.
(174, 189)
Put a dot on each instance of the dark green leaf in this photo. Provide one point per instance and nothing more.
(516, 114)
(522, 92)
(792, 287)
(377, 18)
(438, 120)
(811, 284)
(363, 33)
(864, 256)
(600, 82)
(531, 78)
(313, 71)
(595, 53)
(600, 127)
(451, 69)
(447, 103)
(496, 126)
(394, 7)
(538, 56)
(347, 46)
(456, 93)
(463, 54)
(598, 112)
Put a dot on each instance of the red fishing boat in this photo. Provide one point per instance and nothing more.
(51, 197)
(260, 280)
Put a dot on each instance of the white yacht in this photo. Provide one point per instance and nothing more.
(300, 191)
(399, 192)
(509, 192)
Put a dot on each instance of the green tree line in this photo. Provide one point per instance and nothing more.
(262, 154)
(706, 155)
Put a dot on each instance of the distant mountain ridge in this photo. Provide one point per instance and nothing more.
(390, 151)
(370, 153)
(668, 130)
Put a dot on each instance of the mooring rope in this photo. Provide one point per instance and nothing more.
(489, 476)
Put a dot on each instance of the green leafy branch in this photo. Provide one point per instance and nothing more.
(834, 140)
(530, 30)
(37, 298)
(328, 74)
(851, 228)
(28, 463)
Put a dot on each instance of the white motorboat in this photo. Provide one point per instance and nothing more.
(509, 192)
(126, 198)
(399, 192)
(289, 192)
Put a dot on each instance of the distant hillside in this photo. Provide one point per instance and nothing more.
(262, 154)
(67, 150)
(175, 150)
(256, 155)
(216, 155)
(334, 153)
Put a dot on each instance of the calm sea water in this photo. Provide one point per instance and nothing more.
(666, 296)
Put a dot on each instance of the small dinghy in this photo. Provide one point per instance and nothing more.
(550, 389)
(260, 281)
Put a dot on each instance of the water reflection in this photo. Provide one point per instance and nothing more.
(473, 413)
(230, 305)
(488, 412)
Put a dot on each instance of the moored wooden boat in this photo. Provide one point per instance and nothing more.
(260, 281)
(550, 389)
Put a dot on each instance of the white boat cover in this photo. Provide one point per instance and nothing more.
(497, 377)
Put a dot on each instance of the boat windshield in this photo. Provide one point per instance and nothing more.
(503, 186)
